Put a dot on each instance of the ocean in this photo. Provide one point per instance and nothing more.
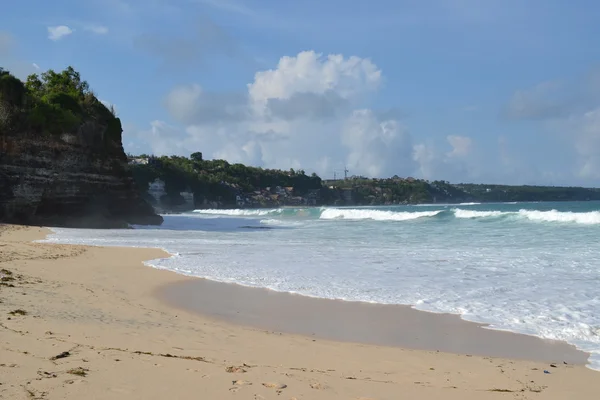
(531, 268)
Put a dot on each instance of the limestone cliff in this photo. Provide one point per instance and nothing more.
(65, 181)
(61, 157)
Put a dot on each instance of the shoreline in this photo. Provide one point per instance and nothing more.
(512, 345)
(84, 322)
(389, 325)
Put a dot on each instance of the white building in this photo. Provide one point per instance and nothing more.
(138, 161)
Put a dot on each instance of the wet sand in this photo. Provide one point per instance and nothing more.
(384, 325)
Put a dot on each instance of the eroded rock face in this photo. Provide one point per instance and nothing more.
(67, 182)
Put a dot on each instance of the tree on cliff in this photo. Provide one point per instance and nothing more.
(12, 95)
(56, 103)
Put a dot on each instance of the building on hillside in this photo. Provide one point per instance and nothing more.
(137, 161)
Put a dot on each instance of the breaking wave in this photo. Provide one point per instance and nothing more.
(376, 215)
(240, 212)
(459, 213)
(587, 218)
(324, 213)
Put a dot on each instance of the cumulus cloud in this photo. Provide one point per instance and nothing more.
(310, 72)
(307, 105)
(457, 164)
(58, 32)
(308, 86)
(377, 147)
(297, 114)
(308, 112)
(163, 139)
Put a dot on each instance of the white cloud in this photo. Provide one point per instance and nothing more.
(457, 164)
(163, 139)
(310, 72)
(298, 114)
(35, 66)
(97, 29)
(58, 32)
(308, 112)
(377, 147)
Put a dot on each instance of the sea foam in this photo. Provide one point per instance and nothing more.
(376, 215)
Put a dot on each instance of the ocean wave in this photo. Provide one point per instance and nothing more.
(469, 214)
(469, 204)
(376, 215)
(587, 218)
(279, 222)
(240, 212)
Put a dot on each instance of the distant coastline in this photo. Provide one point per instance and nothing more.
(174, 184)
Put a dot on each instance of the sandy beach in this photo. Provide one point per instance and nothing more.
(81, 322)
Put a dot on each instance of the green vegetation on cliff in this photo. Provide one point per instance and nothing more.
(221, 182)
(56, 103)
(217, 180)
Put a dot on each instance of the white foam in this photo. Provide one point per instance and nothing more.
(279, 222)
(240, 212)
(375, 215)
(588, 218)
(469, 204)
(459, 213)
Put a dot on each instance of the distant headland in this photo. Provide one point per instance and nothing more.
(179, 183)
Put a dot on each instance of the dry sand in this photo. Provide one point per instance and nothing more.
(97, 310)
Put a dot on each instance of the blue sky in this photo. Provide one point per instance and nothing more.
(502, 91)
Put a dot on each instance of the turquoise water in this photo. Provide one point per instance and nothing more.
(532, 268)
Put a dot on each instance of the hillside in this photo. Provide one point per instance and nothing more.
(217, 183)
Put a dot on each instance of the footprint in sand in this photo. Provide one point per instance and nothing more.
(238, 385)
(277, 386)
(241, 383)
(234, 369)
(318, 386)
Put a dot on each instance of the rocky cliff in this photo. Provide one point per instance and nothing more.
(64, 181)
(61, 157)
